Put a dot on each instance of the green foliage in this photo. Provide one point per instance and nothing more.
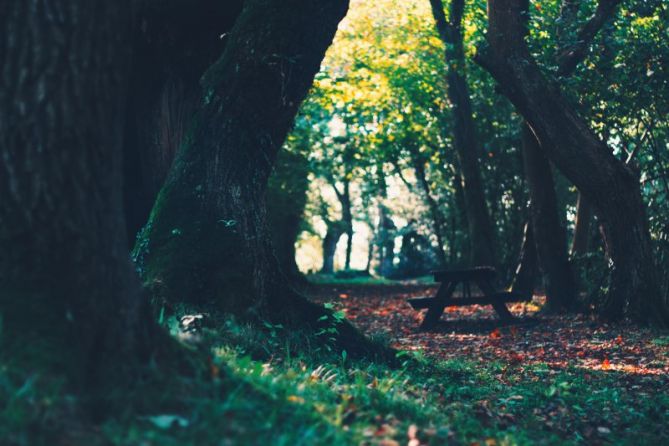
(258, 390)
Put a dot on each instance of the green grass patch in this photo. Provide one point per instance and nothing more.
(268, 385)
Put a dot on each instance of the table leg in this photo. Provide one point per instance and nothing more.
(437, 308)
(500, 307)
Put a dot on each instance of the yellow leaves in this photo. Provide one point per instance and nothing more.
(296, 399)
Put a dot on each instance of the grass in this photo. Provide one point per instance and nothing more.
(341, 278)
(268, 385)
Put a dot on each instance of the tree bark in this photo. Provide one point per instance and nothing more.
(287, 198)
(435, 213)
(207, 239)
(581, 239)
(174, 42)
(386, 241)
(334, 233)
(69, 298)
(466, 144)
(526, 273)
(586, 160)
(549, 235)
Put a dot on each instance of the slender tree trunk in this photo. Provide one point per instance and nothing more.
(386, 242)
(465, 140)
(69, 298)
(550, 238)
(207, 240)
(347, 219)
(287, 198)
(335, 231)
(584, 159)
(435, 213)
(526, 273)
(580, 242)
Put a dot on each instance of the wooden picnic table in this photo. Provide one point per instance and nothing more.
(482, 277)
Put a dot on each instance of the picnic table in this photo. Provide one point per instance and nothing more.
(482, 277)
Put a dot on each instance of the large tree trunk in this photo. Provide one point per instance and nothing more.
(559, 270)
(550, 238)
(207, 239)
(174, 42)
(584, 159)
(466, 144)
(69, 298)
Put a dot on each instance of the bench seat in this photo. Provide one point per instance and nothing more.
(419, 303)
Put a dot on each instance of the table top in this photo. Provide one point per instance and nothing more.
(468, 274)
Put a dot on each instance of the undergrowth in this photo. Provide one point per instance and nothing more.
(268, 385)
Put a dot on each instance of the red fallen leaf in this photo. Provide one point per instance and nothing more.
(606, 364)
(451, 309)
(515, 358)
(580, 354)
(343, 296)
(619, 340)
(495, 334)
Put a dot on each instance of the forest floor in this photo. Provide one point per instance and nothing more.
(470, 382)
(474, 332)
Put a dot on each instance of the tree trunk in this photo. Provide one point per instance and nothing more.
(526, 273)
(207, 240)
(287, 198)
(584, 159)
(581, 240)
(466, 144)
(69, 299)
(347, 219)
(435, 213)
(335, 231)
(550, 238)
(174, 42)
(386, 242)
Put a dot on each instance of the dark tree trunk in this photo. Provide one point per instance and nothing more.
(174, 42)
(335, 231)
(347, 220)
(550, 238)
(69, 298)
(207, 239)
(570, 55)
(287, 198)
(386, 242)
(466, 144)
(581, 240)
(435, 213)
(525, 278)
(584, 159)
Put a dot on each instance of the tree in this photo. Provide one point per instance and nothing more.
(69, 298)
(174, 42)
(207, 239)
(465, 139)
(585, 159)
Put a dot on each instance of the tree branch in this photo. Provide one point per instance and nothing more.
(571, 56)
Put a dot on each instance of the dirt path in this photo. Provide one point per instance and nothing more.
(640, 355)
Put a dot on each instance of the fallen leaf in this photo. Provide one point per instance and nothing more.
(495, 334)
(606, 364)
